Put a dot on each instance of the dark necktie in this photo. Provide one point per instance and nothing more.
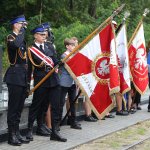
(41, 48)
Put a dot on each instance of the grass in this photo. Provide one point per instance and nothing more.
(120, 139)
(141, 131)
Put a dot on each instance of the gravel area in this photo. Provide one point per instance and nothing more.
(122, 139)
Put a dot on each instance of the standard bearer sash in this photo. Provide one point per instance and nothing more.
(47, 60)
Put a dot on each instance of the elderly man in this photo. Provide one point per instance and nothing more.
(43, 60)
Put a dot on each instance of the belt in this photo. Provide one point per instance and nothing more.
(45, 69)
(20, 65)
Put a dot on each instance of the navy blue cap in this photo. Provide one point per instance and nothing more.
(38, 29)
(46, 25)
(18, 19)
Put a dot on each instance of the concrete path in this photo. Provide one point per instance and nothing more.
(90, 131)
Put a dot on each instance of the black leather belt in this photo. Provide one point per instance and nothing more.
(20, 65)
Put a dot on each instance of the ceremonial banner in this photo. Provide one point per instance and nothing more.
(94, 68)
(138, 61)
(123, 60)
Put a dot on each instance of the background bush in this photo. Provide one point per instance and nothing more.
(69, 17)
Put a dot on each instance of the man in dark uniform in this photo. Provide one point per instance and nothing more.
(42, 129)
(16, 79)
(49, 91)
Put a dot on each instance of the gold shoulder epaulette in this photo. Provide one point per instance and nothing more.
(10, 37)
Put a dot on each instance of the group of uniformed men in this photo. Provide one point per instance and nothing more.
(38, 60)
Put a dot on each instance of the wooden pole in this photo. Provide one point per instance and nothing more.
(108, 20)
(146, 11)
(135, 32)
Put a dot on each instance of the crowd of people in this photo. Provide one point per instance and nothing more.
(59, 88)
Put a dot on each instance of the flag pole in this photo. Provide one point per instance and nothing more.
(146, 11)
(108, 20)
(126, 15)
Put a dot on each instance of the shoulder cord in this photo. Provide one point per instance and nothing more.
(19, 52)
(21, 55)
(9, 57)
(30, 57)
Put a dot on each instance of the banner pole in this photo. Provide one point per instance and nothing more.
(109, 19)
(146, 11)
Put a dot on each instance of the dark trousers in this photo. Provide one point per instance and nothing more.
(149, 103)
(17, 95)
(71, 95)
(149, 88)
(137, 99)
(137, 96)
(41, 99)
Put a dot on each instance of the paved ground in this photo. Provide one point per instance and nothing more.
(89, 132)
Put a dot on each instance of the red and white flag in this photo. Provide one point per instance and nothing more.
(95, 70)
(138, 61)
(123, 60)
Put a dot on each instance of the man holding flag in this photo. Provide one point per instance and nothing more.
(137, 58)
(98, 71)
(43, 60)
(97, 75)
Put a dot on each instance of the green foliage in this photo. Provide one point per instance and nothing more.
(147, 32)
(76, 29)
(5, 61)
(70, 17)
(3, 35)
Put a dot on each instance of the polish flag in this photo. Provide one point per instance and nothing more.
(95, 70)
(138, 61)
(123, 60)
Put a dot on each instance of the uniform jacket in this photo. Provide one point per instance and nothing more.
(65, 79)
(17, 72)
(40, 72)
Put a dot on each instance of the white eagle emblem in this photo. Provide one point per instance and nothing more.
(103, 68)
(140, 59)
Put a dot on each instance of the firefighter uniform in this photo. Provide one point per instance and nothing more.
(16, 80)
(48, 92)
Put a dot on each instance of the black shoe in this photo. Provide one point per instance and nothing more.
(13, 140)
(122, 113)
(132, 111)
(90, 119)
(148, 109)
(55, 136)
(29, 135)
(94, 116)
(46, 128)
(75, 125)
(69, 121)
(110, 116)
(22, 139)
(139, 108)
(41, 131)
